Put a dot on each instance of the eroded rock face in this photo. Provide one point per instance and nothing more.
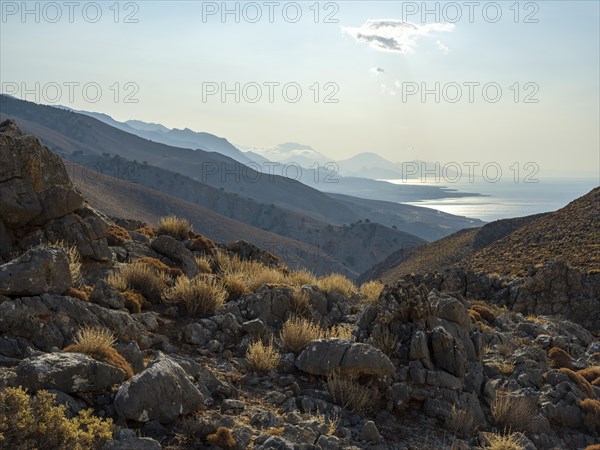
(37, 271)
(162, 392)
(34, 184)
(323, 356)
(67, 372)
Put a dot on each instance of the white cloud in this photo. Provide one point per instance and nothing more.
(396, 36)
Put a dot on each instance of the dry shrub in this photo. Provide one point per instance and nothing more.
(505, 441)
(386, 341)
(505, 367)
(558, 358)
(74, 261)
(143, 278)
(257, 275)
(146, 231)
(484, 312)
(336, 282)
(275, 431)
(201, 244)
(341, 331)
(300, 301)
(226, 263)
(505, 348)
(371, 290)
(38, 423)
(461, 422)
(592, 374)
(133, 301)
(199, 296)
(174, 226)
(81, 294)
(591, 414)
(513, 412)
(262, 357)
(475, 317)
(581, 382)
(301, 277)
(98, 343)
(117, 235)
(222, 438)
(297, 332)
(593, 447)
(159, 266)
(348, 393)
(204, 264)
(235, 286)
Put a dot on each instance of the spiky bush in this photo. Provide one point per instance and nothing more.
(174, 226)
(371, 290)
(141, 277)
(74, 260)
(199, 296)
(98, 342)
(297, 332)
(336, 282)
(348, 393)
(261, 357)
(38, 423)
(513, 412)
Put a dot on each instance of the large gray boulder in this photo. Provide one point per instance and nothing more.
(37, 271)
(34, 184)
(323, 356)
(67, 372)
(162, 392)
(448, 352)
(176, 251)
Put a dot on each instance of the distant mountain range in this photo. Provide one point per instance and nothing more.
(362, 232)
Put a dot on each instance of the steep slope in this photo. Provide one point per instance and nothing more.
(571, 234)
(452, 251)
(131, 201)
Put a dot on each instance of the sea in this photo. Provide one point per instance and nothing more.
(505, 199)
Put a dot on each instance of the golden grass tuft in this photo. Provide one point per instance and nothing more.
(371, 290)
(484, 312)
(558, 358)
(174, 226)
(461, 422)
(222, 438)
(275, 431)
(300, 301)
(204, 264)
(301, 277)
(341, 331)
(505, 441)
(348, 393)
(513, 412)
(262, 357)
(37, 422)
(98, 343)
(336, 282)
(297, 332)
(505, 367)
(199, 296)
(591, 414)
(146, 231)
(147, 280)
(386, 341)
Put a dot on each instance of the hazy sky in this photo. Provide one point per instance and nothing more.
(369, 56)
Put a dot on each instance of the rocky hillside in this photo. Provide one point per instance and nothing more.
(118, 335)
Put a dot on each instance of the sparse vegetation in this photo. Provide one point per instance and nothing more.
(262, 357)
(222, 438)
(301, 277)
(174, 226)
(301, 303)
(370, 290)
(461, 422)
(591, 374)
(146, 280)
(159, 266)
(297, 332)
(558, 358)
(504, 441)
(204, 264)
(581, 382)
(386, 341)
(512, 411)
(98, 343)
(37, 422)
(484, 312)
(117, 235)
(348, 393)
(591, 414)
(337, 283)
(74, 261)
(199, 296)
